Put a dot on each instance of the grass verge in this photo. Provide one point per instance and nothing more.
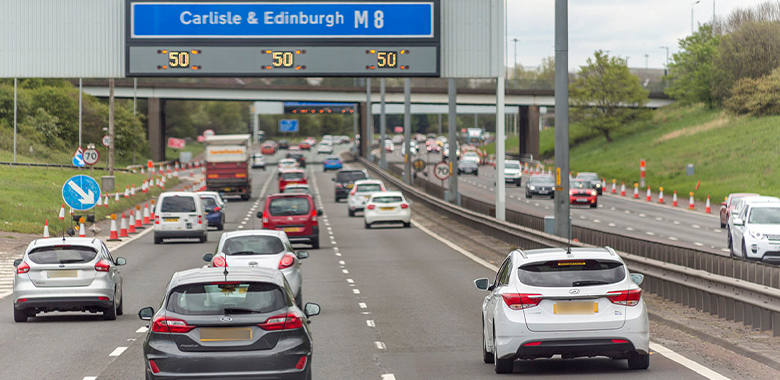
(511, 146)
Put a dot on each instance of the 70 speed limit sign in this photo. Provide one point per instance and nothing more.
(91, 156)
(441, 170)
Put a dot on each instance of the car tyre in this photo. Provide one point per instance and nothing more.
(517, 184)
(158, 240)
(722, 225)
(120, 308)
(245, 197)
(528, 195)
(203, 237)
(315, 243)
(351, 212)
(476, 173)
(221, 226)
(367, 225)
(487, 357)
(744, 250)
(109, 314)
(20, 315)
(595, 205)
(502, 365)
(638, 361)
(407, 224)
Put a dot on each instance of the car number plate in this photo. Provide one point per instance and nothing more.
(171, 219)
(575, 308)
(62, 273)
(227, 189)
(292, 229)
(350, 185)
(387, 208)
(579, 199)
(225, 334)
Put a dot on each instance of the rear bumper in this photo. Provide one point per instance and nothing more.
(396, 217)
(578, 348)
(214, 219)
(342, 193)
(304, 238)
(178, 234)
(332, 166)
(64, 303)
(591, 199)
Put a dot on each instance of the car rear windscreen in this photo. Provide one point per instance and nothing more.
(295, 189)
(226, 298)
(764, 215)
(541, 180)
(350, 176)
(257, 245)
(208, 202)
(293, 176)
(369, 188)
(178, 204)
(69, 254)
(390, 199)
(567, 273)
(288, 206)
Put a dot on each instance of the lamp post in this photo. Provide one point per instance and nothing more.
(697, 2)
(666, 67)
(515, 40)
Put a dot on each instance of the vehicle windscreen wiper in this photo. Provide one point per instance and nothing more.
(589, 282)
(238, 310)
(241, 253)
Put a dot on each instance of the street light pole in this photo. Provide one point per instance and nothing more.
(561, 175)
(515, 40)
(697, 2)
(666, 67)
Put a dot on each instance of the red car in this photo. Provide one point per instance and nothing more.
(583, 192)
(728, 205)
(305, 145)
(267, 149)
(295, 214)
(291, 176)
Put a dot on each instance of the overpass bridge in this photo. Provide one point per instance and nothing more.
(428, 100)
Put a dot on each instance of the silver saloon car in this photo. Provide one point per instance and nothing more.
(67, 274)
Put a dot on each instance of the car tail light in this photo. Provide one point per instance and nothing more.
(301, 363)
(216, 209)
(521, 301)
(625, 297)
(265, 220)
(170, 325)
(154, 367)
(314, 216)
(354, 189)
(404, 206)
(21, 300)
(618, 341)
(371, 207)
(102, 266)
(200, 219)
(103, 299)
(156, 219)
(23, 268)
(287, 261)
(532, 344)
(219, 261)
(289, 321)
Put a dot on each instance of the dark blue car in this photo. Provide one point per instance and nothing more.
(332, 163)
(215, 207)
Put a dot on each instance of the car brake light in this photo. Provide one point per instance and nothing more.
(404, 206)
(171, 325)
(618, 341)
(289, 321)
(103, 299)
(625, 297)
(314, 216)
(156, 219)
(102, 266)
(216, 209)
(23, 268)
(301, 363)
(532, 344)
(286, 261)
(521, 301)
(370, 207)
(354, 189)
(219, 261)
(154, 367)
(200, 219)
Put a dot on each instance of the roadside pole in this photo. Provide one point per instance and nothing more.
(452, 90)
(369, 122)
(255, 123)
(15, 120)
(407, 131)
(439, 125)
(500, 131)
(111, 127)
(355, 128)
(382, 126)
(81, 93)
(562, 224)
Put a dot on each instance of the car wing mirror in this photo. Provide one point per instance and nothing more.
(723, 203)
(17, 262)
(333, 179)
(120, 261)
(146, 313)
(482, 283)
(738, 222)
(259, 214)
(637, 278)
(311, 309)
(207, 257)
(302, 255)
(319, 212)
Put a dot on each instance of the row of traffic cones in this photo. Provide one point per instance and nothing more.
(138, 220)
(691, 204)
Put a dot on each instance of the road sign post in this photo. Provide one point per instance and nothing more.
(80, 192)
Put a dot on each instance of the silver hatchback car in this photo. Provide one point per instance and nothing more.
(67, 274)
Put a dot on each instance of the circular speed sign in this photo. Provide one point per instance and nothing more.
(441, 170)
(91, 156)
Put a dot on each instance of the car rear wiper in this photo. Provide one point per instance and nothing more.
(72, 261)
(241, 253)
(589, 282)
(238, 310)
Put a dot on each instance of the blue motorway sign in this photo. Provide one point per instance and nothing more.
(282, 20)
(288, 125)
(81, 192)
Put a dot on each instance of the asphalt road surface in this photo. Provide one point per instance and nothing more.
(397, 304)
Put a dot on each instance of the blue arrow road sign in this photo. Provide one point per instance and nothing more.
(288, 125)
(81, 192)
(78, 158)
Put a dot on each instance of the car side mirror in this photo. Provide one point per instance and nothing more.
(319, 212)
(17, 262)
(259, 214)
(146, 313)
(738, 222)
(207, 257)
(723, 203)
(120, 261)
(302, 255)
(311, 309)
(333, 179)
(482, 283)
(637, 278)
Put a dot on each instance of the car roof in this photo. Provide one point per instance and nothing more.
(387, 194)
(297, 185)
(53, 241)
(177, 193)
(581, 253)
(249, 274)
(368, 181)
(760, 199)
(276, 233)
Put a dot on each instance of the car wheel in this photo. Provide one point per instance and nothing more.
(245, 197)
(487, 357)
(638, 361)
(744, 250)
(731, 249)
(595, 205)
(299, 298)
(120, 308)
(221, 226)
(109, 314)
(351, 212)
(502, 365)
(528, 195)
(315, 243)
(722, 225)
(324, 170)
(158, 240)
(20, 315)
(367, 225)
(203, 238)
(337, 199)
(407, 224)
(476, 173)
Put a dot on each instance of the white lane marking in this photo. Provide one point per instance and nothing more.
(380, 345)
(388, 376)
(341, 262)
(594, 220)
(90, 378)
(536, 204)
(629, 228)
(345, 271)
(338, 254)
(658, 218)
(650, 233)
(717, 230)
(362, 305)
(673, 238)
(687, 363)
(627, 211)
(245, 219)
(455, 247)
(240, 227)
(611, 224)
(370, 323)
(725, 250)
(142, 330)
(642, 215)
(676, 222)
(351, 281)
(611, 209)
(332, 241)
(335, 248)
(243, 223)
(118, 351)
(329, 228)
(582, 217)
(356, 291)
(698, 244)
(696, 226)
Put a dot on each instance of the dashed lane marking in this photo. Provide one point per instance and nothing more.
(142, 330)
(696, 226)
(345, 271)
(673, 238)
(362, 305)
(118, 351)
(356, 291)
(380, 345)
(698, 244)
(370, 323)
(629, 229)
(650, 233)
(611, 224)
(351, 281)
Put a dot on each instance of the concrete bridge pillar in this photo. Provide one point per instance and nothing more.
(156, 122)
(529, 130)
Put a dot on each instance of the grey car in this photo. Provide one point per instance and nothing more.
(542, 185)
(228, 323)
(261, 248)
(67, 274)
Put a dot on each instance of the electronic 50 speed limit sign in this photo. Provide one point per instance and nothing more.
(441, 170)
(91, 156)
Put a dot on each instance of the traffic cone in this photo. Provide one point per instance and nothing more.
(623, 189)
(649, 198)
(62, 212)
(151, 212)
(603, 184)
(105, 201)
(45, 228)
(691, 206)
(82, 230)
(614, 191)
(99, 202)
(131, 225)
(146, 214)
(123, 227)
(127, 191)
(116, 198)
(132, 191)
(138, 219)
(674, 199)
(636, 191)
(707, 205)
(143, 187)
(142, 170)
(113, 235)
(660, 195)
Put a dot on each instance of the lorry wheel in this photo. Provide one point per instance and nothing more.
(245, 197)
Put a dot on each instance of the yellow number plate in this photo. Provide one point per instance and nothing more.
(224, 334)
(62, 273)
(292, 229)
(387, 208)
(576, 308)
(349, 185)
(171, 219)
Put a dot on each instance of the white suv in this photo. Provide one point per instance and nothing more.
(513, 172)
(180, 214)
(755, 232)
(579, 303)
(358, 197)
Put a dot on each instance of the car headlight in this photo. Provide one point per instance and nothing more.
(756, 235)
(594, 192)
(532, 187)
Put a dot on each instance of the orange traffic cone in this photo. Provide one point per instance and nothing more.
(123, 227)
(151, 212)
(636, 191)
(62, 212)
(127, 192)
(623, 189)
(132, 190)
(131, 225)
(105, 202)
(674, 199)
(691, 206)
(660, 195)
(146, 214)
(649, 197)
(116, 197)
(138, 219)
(707, 205)
(113, 235)
(614, 191)
(99, 202)
(82, 230)
(45, 228)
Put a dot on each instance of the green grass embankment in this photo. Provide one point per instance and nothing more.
(512, 145)
(195, 148)
(28, 196)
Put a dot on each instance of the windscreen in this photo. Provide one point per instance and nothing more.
(178, 204)
(588, 176)
(287, 162)
(292, 176)
(764, 215)
(255, 245)
(296, 190)
(208, 202)
(512, 165)
(289, 206)
(541, 180)
(581, 185)
(368, 188)
(226, 298)
(350, 176)
(567, 273)
(67, 254)
(391, 199)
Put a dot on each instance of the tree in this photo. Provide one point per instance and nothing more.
(757, 97)
(690, 71)
(605, 96)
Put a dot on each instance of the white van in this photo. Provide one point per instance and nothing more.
(180, 214)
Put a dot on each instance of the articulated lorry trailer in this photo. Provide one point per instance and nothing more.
(227, 165)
